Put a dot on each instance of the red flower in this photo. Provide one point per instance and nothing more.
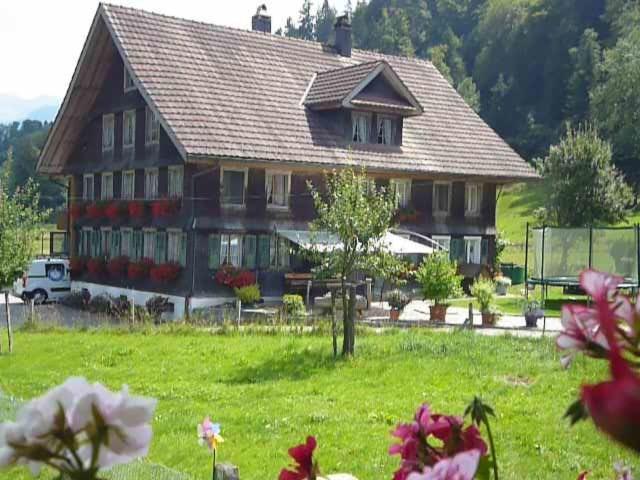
(77, 266)
(165, 273)
(95, 266)
(136, 209)
(95, 211)
(139, 270)
(117, 267)
(76, 210)
(163, 208)
(114, 210)
(305, 468)
(234, 278)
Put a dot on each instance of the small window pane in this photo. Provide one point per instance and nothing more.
(151, 184)
(214, 251)
(359, 128)
(106, 192)
(108, 124)
(233, 187)
(87, 193)
(149, 245)
(249, 255)
(129, 132)
(175, 181)
(277, 189)
(128, 185)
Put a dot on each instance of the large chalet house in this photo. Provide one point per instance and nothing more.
(189, 144)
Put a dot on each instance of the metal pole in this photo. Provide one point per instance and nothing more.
(544, 228)
(590, 246)
(526, 263)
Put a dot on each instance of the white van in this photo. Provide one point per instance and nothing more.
(46, 279)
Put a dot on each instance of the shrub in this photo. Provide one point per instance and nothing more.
(139, 270)
(114, 210)
(163, 208)
(120, 307)
(165, 273)
(438, 278)
(77, 210)
(293, 304)
(235, 278)
(96, 267)
(484, 290)
(397, 299)
(77, 299)
(248, 294)
(95, 211)
(117, 267)
(157, 305)
(136, 209)
(100, 304)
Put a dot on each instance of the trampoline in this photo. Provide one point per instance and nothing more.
(555, 256)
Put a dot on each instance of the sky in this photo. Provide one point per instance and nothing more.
(42, 39)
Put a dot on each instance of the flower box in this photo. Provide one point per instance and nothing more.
(96, 267)
(139, 270)
(233, 277)
(95, 211)
(165, 273)
(115, 210)
(77, 210)
(164, 207)
(117, 267)
(136, 209)
(77, 265)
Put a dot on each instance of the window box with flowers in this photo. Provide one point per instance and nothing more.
(233, 277)
(136, 209)
(165, 273)
(164, 207)
(117, 267)
(95, 211)
(96, 267)
(115, 210)
(407, 215)
(77, 210)
(139, 270)
(78, 266)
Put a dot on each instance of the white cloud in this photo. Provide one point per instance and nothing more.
(42, 39)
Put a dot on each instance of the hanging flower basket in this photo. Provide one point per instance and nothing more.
(136, 209)
(139, 270)
(95, 211)
(115, 210)
(117, 267)
(164, 207)
(165, 273)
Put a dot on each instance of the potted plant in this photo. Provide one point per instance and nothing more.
(502, 285)
(407, 215)
(248, 295)
(483, 291)
(397, 300)
(439, 280)
(532, 311)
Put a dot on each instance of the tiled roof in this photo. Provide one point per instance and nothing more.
(229, 93)
(334, 85)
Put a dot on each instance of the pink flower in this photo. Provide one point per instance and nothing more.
(600, 286)
(463, 466)
(305, 468)
(581, 332)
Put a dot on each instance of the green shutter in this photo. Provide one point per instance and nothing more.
(161, 248)
(264, 251)
(138, 245)
(457, 250)
(80, 249)
(249, 256)
(95, 243)
(114, 248)
(214, 251)
(183, 249)
(484, 251)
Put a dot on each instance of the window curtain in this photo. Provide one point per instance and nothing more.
(125, 243)
(362, 128)
(354, 130)
(269, 188)
(386, 122)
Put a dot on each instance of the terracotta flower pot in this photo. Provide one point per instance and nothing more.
(438, 313)
(488, 319)
(394, 315)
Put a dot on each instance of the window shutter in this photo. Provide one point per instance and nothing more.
(249, 257)
(457, 249)
(214, 251)
(161, 248)
(183, 249)
(484, 251)
(263, 251)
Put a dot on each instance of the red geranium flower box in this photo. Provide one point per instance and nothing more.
(77, 210)
(165, 273)
(164, 208)
(136, 209)
(114, 210)
(95, 211)
(96, 267)
(77, 266)
(234, 277)
(139, 270)
(117, 267)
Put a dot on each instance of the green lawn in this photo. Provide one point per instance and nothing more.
(270, 391)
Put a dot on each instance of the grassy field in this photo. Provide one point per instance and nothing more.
(270, 391)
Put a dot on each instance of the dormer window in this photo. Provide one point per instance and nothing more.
(360, 127)
(129, 85)
(386, 130)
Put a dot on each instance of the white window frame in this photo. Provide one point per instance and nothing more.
(128, 84)
(123, 192)
(477, 260)
(149, 248)
(108, 125)
(126, 252)
(355, 116)
(85, 242)
(436, 211)
(85, 196)
(225, 249)
(151, 127)
(106, 194)
(268, 175)
(174, 240)
(245, 171)
(379, 123)
(132, 115)
(469, 211)
(173, 193)
(443, 240)
(148, 195)
(395, 182)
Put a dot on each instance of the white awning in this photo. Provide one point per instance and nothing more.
(323, 241)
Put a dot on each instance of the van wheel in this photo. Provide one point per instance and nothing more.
(39, 296)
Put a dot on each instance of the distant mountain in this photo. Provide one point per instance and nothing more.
(15, 109)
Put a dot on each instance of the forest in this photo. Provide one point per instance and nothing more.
(529, 68)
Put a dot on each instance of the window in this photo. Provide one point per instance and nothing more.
(87, 187)
(105, 248)
(128, 81)
(128, 184)
(160, 248)
(441, 198)
(149, 242)
(126, 238)
(472, 248)
(279, 252)
(175, 181)
(249, 253)
(151, 183)
(115, 244)
(234, 183)
(108, 125)
(359, 128)
(151, 127)
(231, 250)
(277, 189)
(137, 245)
(473, 199)
(84, 245)
(129, 129)
(443, 240)
(402, 190)
(96, 246)
(386, 130)
(106, 190)
(177, 247)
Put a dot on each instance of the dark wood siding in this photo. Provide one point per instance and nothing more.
(256, 199)
(457, 200)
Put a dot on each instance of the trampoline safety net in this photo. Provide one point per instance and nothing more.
(560, 254)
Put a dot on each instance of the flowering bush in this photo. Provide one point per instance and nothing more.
(77, 266)
(248, 294)
(136, 209)
(164, 207)
(117, 267)
(96, 267)
(234, 277)
(115, 210)
(77, 210)
(305, 467)
(139, 270)
(165, 273)
(608, 330)
(78, 429)
(95, 211)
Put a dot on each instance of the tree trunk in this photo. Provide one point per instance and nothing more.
(334, 326)
(345, 319)
(8, 310)
(352, 320)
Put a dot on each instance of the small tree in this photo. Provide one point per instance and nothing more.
(358, 213)
(20, 224)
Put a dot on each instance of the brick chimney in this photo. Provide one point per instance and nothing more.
(342, 35)
(261, 21)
